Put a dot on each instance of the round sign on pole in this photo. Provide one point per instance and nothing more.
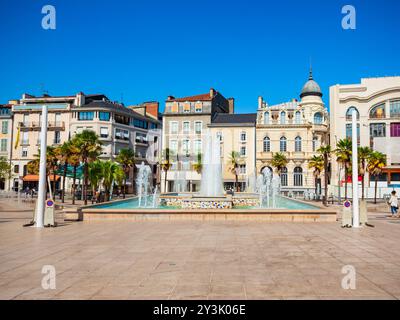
(49, 203)
(347, 204)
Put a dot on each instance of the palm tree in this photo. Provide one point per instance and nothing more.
(95, 174)
(67, 154)
(126, 158)
(279, 161)
(343, 157)
(74, 161)
(363, 155)
(316, 163)
(234, 161)
(198, 166)
(166, 164)
(90, 147)
(376, 162)
(111, 172)
(325, 152)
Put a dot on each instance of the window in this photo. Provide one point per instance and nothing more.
(4, 127)
(25, 140)
(26, 118)
(186, 108)
(16, 168)
(186, 147)
(173, 127)
(377, 112)
(284, 177)
(140, 137)
(243, 151)
(243, 136)
(175, 107)
(186, 165)
(3, 147)
(242, 169)
(297, 117)
(283, 144)
(267, 144)
(118, 133)
(315, 144)
(104, 116)
(283, 117)
(57, 137)
(85, 115)
(153, 125)
(5, 111)
(125, 134)
(349, 113)
(186, 127)
(318, 118)
(139, 123)
(24, 151)
(197, 146)
(199, 107)
(58, 118)
(395, 109)
(395, 129)
(125, 120)
(104, 132)
(173, 146)
(198, 127)
(298, 177)
(377, 130)
(297, 144)
(349, 132)
(266, 117)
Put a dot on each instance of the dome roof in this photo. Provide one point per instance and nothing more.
(311, 88)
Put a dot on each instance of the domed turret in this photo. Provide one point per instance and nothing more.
(311, 88)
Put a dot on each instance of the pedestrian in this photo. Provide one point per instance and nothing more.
(394, 203)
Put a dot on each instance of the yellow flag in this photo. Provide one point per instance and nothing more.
(17, 138)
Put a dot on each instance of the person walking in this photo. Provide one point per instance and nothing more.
(394, 203)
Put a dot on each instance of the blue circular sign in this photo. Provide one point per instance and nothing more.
(49, 203)
(347, 204)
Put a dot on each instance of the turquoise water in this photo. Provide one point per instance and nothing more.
(282, 203)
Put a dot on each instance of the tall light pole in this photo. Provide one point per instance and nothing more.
(356, 210)
(42, 171)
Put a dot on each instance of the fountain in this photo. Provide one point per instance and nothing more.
(268, 188)
(143, 181)
(211, 182)
(155, 197)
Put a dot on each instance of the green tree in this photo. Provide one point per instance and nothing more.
(111, 172)
(343, 157)
(317, 164)
(67, 154)
(166, 165)
(126, 158)
(325, 152)
(90, 147)
(95, 173)
(5, 169)
(234, 164)
(376, 162)
(279, 161)
(363, 156)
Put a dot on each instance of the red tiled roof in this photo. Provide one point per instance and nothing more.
(199, 97)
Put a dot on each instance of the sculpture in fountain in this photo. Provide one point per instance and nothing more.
(143, 183)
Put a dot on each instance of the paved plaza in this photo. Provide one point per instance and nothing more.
(197, 260)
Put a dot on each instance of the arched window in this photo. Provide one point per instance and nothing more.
(284, 177)
(318, 118)
(283, 144)
(297, 117)
(266, 117)
(314, 143)
(283, 117)
(378, 112)
(298, 177)
(267, 144)
(297, 144)
(349, 113)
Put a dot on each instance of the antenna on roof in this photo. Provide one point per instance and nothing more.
(311, 73)
(43, 91)
(122, 97)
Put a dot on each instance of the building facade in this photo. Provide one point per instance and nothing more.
(377, 103)
(296, 129)
(5, 140)
(185, 126)
(236, 133)
(118, 127)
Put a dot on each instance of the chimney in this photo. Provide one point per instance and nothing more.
(80, 99)
(212, 93)
(170, 98)
(260, 102)
(231, 102)
(152, 108)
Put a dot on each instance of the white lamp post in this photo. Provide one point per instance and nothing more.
(356, 210)
(42, 170)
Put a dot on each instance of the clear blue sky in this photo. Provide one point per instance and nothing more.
(147, 50)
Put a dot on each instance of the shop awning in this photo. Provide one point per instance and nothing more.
(35, 178)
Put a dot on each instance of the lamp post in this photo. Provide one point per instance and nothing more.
(356, 210)
(42, 170)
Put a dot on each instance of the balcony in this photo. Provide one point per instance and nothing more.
(123, 139)
(141, 140)
(36, 125)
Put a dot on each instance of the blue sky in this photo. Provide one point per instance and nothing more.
(147, 50)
